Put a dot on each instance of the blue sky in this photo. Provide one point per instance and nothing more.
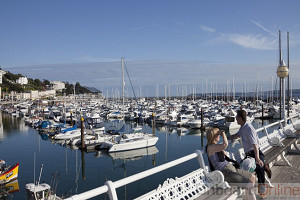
(178, 43)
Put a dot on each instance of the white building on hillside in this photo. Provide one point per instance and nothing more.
(1, 74)
(57, 85)
(22, 80)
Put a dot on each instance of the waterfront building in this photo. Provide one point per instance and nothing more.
(22, 80)
(57, 85)
(32, 95)
(25, 96)
(1, 74)
(46, 93)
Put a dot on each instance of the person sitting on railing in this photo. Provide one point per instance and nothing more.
(251, 147)
(217, 161)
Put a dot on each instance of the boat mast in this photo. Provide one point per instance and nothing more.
(233, 90)
(257, 85)
(272, 89)
(74, 90)
(280, 80)
(123, 84)
(288, 78)
(245, 92)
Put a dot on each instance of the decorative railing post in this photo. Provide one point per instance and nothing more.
(201, 161)
(111, 190)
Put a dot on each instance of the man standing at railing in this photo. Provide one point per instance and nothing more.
(251, 147)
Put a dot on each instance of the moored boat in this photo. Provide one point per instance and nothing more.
(8, 173)
(130, 141)
(68, 135)
(40, 192)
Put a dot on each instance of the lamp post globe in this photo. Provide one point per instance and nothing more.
(282, 71)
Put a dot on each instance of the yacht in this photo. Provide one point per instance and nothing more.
(129, 141)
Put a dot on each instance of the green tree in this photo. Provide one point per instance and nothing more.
(11, 76)
(37, 82)
(46, 82)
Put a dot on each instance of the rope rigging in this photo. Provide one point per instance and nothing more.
(129, 80)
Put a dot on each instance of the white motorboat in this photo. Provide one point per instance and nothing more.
(92, 139)
(129, 141)
(68, 135)
(161, 118)
(196, 123)
(92, 134)
(183, 120)
(40, 192)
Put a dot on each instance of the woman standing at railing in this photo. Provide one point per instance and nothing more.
(217, 161)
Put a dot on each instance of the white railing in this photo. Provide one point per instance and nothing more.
(110, 187)
(277, 123)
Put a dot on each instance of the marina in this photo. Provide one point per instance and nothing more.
(123, 132)
(78, 171)
(81, 171)
(149, 100)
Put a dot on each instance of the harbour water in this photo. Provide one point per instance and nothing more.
(77, 171)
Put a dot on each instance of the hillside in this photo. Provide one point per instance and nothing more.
(9, 84)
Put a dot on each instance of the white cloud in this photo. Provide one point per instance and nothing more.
(207, 29)
(252, 41)
(107, 75)
(262, 27)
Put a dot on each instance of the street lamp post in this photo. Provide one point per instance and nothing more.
(282, 73)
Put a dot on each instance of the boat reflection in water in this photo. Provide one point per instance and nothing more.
(201, 133)
(9, 188)
(182, 131)
(129, 155)
(196, 132)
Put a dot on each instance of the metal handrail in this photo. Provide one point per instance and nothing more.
(275, 123)
(110, 187)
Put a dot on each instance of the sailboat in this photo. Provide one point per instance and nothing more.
(136, 139)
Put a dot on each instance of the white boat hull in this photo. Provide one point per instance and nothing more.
(195, 124)
(130, 144)
(68, 135)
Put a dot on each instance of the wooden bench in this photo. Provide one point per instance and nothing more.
(288, 140)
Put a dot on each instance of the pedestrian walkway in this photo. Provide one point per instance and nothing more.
(286, 180)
